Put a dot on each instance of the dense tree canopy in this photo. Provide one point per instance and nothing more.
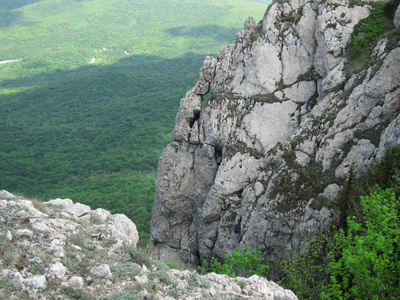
(88, 109)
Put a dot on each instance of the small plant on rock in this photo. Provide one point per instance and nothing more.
(40, 206)
(368, 30)
(75, 293)
(78, 239)
(124, 295)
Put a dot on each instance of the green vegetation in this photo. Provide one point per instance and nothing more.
(126, 295)
(8, 286)
(243, 264)
(305, 273)
(359, 257)
(362, 262)
(366, 262)
(75, 293)
(368, 32)
(87, 111)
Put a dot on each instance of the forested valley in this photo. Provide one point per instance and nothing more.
(89, 90)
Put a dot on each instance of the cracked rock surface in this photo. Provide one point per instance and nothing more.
(261, 161)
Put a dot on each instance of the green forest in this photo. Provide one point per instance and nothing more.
(89, 98)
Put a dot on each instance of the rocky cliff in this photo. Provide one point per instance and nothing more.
(65, 250)
(265, 140)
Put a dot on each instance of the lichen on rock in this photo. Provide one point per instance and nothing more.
(76, 253)
(260, 165)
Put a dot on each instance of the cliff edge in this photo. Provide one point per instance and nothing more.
(64, 250)
(265, 140)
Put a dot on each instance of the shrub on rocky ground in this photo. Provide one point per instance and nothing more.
(68, 250)
(359, 256)
(243, 263)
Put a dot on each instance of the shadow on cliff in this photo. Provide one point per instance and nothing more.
(175, 68)
(218, 33)
(96, 118)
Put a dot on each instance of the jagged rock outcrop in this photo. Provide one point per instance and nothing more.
(261, 162)
(65, 250)
(397, 17)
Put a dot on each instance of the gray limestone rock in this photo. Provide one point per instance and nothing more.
(75, 282)
(250, 24)
(390, 137)
(335, 80)
(397, 17)
(124, 229)
(35, 283)
(360, 156)
(49, 246)
(57, 251)
(9, 235)
(6, 195)
(101, 271)
(331, 191)
(259, 164)
(57, 270)
(78, 210)
(65, 203)
(301, 91)
(99, 215)
(16, 276)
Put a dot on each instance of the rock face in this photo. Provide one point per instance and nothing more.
(260, 163)
(397, 17)
(64, 250)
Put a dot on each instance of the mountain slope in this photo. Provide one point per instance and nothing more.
(95, 93)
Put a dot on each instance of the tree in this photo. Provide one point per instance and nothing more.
(366, 262)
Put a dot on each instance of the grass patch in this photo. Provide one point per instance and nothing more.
(76, 294)
(367, 33)
(266, 98)
(124, 295)
(40, 206)
(78, 239)
(8, 287)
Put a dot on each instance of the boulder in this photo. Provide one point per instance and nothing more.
(123, 228)
(101, 271)
(24, 233)
(6, 195)
(99, 215)
(35, 283)
(64, 203)
(78, 210)
(57, 271)
(75, 282)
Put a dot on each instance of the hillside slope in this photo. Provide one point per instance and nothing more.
(65, 250)
(68, 126)
(298, 103)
